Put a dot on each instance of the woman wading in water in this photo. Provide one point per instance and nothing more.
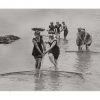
(53, 51)
(38, 50)
(65, 30)
(58, 28)
(51, 28)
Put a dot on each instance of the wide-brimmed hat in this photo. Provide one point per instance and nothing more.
(39, 29)
(37, 32)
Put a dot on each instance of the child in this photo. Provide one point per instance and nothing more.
(53, 51)
(38, 50)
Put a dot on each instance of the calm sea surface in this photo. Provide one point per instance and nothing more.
(76, 70)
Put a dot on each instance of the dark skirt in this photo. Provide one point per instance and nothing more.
(55, 52)
(36, 57)
(65, 33)
(36, 53)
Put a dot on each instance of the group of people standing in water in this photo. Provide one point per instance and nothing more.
(39, 49)
(57, 29)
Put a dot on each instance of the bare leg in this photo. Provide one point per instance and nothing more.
(78, 48)
(51, 57)
(59, 36)
(65, 37)
(86, 47)
(81, 48)
(38, 65)
(56, 64)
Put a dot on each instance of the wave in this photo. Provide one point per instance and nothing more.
(44, 72)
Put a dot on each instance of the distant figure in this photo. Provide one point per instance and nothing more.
(87, 40)
(80, 39)
(83, 38)
(38, 50)
(83, 32)
(53, 51)
(64, 28)
(51, 28)
(58, 28)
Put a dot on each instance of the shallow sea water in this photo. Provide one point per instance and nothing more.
(76, 70)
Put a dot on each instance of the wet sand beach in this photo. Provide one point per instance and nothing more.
(77, 71)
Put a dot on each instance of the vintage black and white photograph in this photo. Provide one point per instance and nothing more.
(49, 49)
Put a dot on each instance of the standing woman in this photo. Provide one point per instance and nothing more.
(58, 28)
(52, 28)
(38, 50)
(53, 51)
(65, 30)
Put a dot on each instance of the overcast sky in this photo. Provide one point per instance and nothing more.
(21, 21)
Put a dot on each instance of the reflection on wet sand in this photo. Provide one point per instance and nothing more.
(39, 83)
(83, 61)
(54, 81)
(47, 80)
